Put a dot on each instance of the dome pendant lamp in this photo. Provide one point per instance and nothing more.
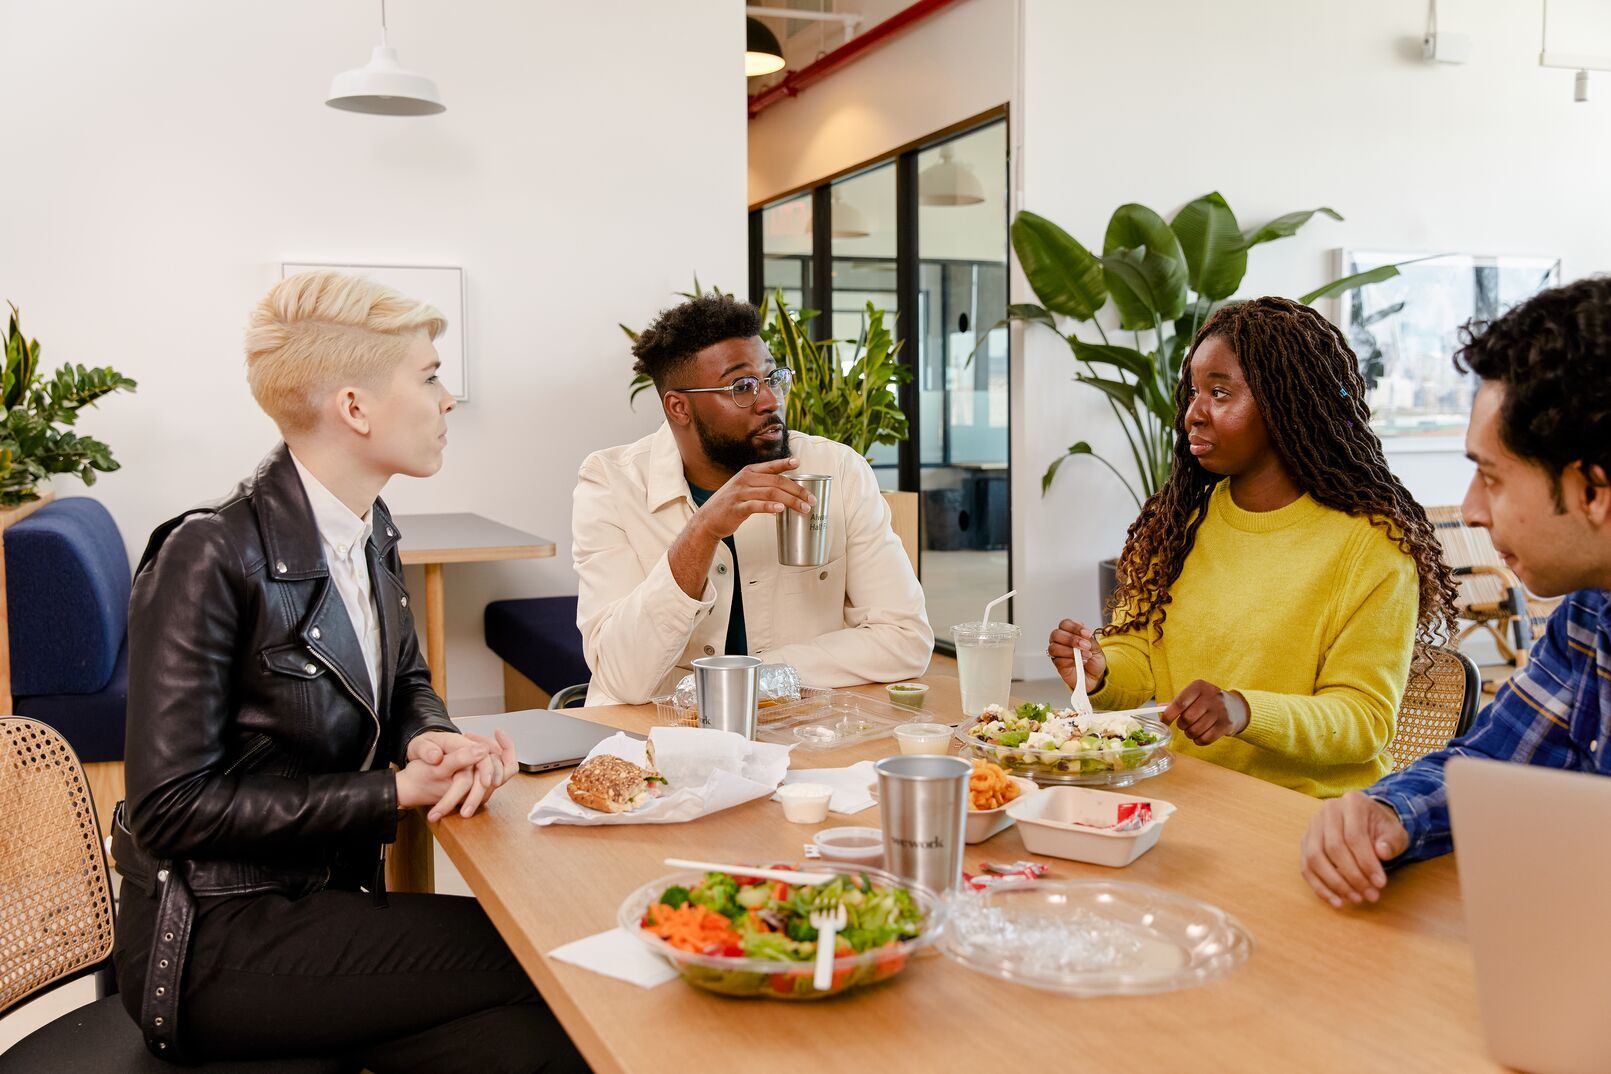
(949, 183)
(762, 53)
(384, 87)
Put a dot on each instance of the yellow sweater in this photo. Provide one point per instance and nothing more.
(1307, 612)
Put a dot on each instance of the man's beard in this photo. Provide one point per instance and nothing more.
(735, 453)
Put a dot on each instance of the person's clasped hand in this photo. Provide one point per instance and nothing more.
(448, 771)
(1345, 846)
(1205, 713)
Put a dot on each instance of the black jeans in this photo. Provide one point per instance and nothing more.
(422, 984)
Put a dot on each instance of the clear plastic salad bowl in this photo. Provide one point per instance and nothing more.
(1110, 767)
(777, 979)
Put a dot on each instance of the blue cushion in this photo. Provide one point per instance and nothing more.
(91, 723)
(67, 592)
(538, 638)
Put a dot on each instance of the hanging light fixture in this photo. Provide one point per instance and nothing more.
(762, 53)
(384, 87)
(949, 183)
(846, 221)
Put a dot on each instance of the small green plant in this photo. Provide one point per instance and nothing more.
(36, 440)
(852, 401)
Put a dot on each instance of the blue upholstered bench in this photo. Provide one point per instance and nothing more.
(67, 594)
(541, 649)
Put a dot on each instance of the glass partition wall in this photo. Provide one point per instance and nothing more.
(923, 236)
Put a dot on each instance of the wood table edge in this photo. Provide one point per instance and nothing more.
(422, 556)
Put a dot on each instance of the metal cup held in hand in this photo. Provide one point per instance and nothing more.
(925, 805)
(803, 536)
(727, 689)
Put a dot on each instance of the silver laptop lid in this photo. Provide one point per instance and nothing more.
(543, 739)
(1533, 847)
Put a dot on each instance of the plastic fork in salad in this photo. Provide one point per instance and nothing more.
(827, 923)
(1079, 700)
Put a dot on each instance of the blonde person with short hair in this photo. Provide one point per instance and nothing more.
(274, 681)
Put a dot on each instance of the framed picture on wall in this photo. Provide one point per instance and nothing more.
(1406, 331)
(441, 286)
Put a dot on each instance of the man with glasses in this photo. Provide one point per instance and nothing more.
(675, 540)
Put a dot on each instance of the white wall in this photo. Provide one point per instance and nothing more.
(1280, 107)
(955, 64)
(163, 158)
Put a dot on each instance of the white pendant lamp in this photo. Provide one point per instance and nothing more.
(949, 183)
(846, 221)
(385, 87)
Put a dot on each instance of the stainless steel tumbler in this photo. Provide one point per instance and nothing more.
(803, 537)
(925, 804)
(726, 689)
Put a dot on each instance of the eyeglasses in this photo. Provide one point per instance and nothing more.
(745, 390)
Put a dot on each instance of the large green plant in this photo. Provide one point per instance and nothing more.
(1163, 280)
(35, 440)
(850, 400)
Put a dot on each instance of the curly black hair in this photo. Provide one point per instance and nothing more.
(1552, 353)
(684, 330)
(1306, 382)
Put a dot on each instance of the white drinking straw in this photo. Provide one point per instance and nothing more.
(991, 606)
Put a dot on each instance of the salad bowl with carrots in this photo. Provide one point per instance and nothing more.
(744, 936)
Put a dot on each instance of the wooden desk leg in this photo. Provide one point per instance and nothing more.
(436, 629)
(411, 865)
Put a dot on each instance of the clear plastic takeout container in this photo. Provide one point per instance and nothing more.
(1084, 768)
(1093, 937)
(669, 711)
(739, 976)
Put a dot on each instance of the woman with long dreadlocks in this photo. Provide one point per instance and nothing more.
(1276, 591)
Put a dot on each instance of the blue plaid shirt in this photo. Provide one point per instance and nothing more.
(1556, 711)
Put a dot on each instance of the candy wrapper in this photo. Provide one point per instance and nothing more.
(993, 875)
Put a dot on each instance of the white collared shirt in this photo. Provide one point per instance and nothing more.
(344, 536)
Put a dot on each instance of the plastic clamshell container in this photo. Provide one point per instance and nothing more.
(984, 823)
(1049, 824)
(852, 846)
(773, 979)
(830, 720)
(1092, 768)
(812, 698)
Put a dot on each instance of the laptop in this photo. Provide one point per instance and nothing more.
(1533, 847)
(544, 739)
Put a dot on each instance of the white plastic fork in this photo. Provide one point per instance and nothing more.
(1079, 700)
(827, 923)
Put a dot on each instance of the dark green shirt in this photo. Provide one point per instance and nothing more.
(738, 642)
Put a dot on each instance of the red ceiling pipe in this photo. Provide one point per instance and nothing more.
(846, 53)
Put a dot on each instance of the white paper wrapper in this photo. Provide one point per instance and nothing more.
(716, 770)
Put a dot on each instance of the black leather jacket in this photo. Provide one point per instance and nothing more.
(256, 755)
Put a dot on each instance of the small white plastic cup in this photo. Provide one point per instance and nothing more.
(805, 803)
(923, 738)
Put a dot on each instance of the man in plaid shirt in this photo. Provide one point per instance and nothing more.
(1540, 435)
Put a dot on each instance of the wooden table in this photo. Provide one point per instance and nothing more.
(431, 541)
(1388, 988)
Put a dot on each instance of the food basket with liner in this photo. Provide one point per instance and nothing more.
(1085, 768)
(742, 976)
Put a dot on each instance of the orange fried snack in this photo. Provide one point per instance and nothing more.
(989, 787)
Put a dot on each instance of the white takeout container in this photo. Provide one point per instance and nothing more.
(924, 738)
(984, 823)
(830, 843)
(805, 803)
(1047, 825)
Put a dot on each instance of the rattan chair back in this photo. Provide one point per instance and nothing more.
(55, 894)
(1438, 706)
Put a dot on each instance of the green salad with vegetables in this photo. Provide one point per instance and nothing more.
(735, 916)
(1065, 740)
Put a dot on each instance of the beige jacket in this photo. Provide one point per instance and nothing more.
(860, 618)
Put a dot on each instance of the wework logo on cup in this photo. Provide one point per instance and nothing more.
(818, 523)
(917, 844)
